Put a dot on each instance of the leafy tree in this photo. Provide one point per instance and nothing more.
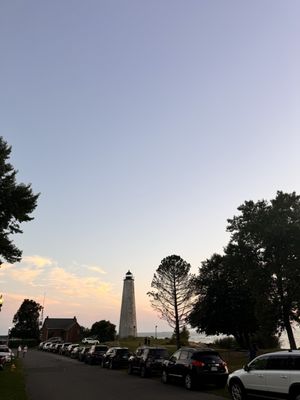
(226, 302)
(173, 292)
(271, 232)
(104, 330)
(17, 202)
(184, 337)
(26, 320)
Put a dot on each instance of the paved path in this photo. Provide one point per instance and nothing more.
(54, 377)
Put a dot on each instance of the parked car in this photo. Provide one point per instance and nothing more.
(75, 351)
(116, 357)
(57, 347)
(82, 353)
(194, 366)
(269, 375)
(2, 362)
(70, 348)
(6, 353)
(95, 354)
(46, 346)
(63, 348)
(147, 360)
(90, 340)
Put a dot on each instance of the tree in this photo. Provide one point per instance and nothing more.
(270, 231)
(26, 320)
(104, 330)
(226, 302)
(17, 202)
(173, 291)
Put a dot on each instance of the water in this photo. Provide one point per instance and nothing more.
(202, 338)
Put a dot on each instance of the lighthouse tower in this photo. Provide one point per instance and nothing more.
(127, 325)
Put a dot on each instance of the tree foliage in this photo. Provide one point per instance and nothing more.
(26, 320)
(253, 289)
(173, 291)
(17, 202)
(271, 231)
(103, 330)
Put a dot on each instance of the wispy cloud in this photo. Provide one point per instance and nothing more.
(37, 261)
(95, 268)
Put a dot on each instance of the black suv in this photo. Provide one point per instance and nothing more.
(116, 357)
(95, 354)
(147, 360)
(194, 367)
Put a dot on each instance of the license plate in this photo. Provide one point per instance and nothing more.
(214, 368)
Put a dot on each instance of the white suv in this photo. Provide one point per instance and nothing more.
(90, 341)
(271, 375)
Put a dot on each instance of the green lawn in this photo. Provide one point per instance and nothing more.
(12, 383)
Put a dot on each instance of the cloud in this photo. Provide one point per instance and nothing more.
(95, 269)
(37, 261)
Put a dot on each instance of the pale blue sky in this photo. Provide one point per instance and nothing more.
(144, 125)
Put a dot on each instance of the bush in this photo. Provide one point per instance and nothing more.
(228, 342)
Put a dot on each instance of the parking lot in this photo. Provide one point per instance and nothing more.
(52, 376)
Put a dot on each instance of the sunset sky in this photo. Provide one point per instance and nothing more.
(144, 125)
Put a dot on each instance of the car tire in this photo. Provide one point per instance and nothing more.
(237, 390)
(188, 382)
(130, 369)
(164, 377)
(144, 372)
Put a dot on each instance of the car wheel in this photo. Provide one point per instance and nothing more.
(188, 382)
(237, 391)
(164, 377)
(143, 372)
(130, 369)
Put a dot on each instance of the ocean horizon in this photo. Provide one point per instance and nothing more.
(206, 339)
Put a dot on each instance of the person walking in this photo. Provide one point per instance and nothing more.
(25, 351)
(19, 351)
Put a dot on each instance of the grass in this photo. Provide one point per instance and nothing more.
(12, 382)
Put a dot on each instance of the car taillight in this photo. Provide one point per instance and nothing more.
(196, 363)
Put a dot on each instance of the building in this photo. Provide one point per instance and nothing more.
(128, 325)
(66, 328)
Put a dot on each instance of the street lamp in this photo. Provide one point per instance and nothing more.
(155, 332)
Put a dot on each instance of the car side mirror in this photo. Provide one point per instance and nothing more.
(247, 368)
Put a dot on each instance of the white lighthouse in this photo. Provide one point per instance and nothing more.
(127, 325)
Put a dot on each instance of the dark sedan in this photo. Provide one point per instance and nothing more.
(116, 357)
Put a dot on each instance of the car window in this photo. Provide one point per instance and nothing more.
(207, 357)
(184, 355)
(278, 363)
(258, 363)
(295, 363)
(122, 351)
(159, 353)
(175, 356)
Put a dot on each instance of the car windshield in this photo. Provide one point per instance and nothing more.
(101, 348)
(122, 351)
(158, 353)
(4, 349)
(207, 357)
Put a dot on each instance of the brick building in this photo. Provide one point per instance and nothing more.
(66, 328)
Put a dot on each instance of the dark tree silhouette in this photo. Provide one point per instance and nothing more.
(173, 291)
(17, 202)
(26, 320)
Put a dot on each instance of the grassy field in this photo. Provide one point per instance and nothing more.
(12, 383)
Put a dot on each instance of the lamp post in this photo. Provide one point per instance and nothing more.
(155, 332)
(1, 301)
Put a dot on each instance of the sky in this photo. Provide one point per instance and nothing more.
(143, 125)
